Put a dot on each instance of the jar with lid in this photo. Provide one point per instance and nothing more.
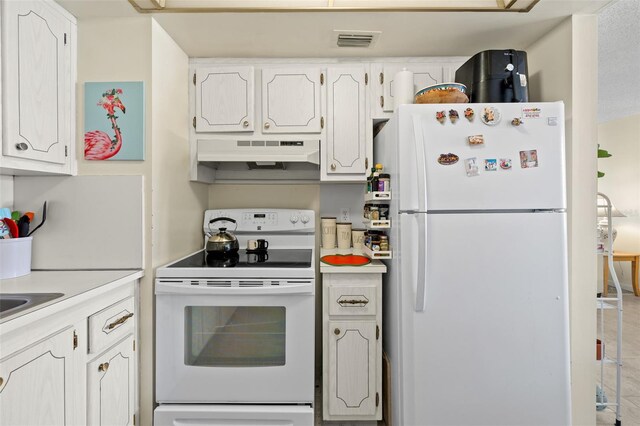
(374, 213)
(384, 182)
(383, 210)
(384, 243)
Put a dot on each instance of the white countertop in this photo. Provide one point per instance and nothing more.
(375, 267)
(71, 283)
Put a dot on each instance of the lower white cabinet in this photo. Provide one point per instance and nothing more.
(352, 346)
(111, 379)
(37, 383)
(48, 374)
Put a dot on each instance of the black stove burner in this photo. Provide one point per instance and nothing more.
(273, 258)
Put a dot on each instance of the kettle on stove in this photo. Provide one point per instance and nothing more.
(223, 243)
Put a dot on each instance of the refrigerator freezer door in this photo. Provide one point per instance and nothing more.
(492, 345)
(502, 180)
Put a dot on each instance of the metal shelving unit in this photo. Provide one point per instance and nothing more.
(608, 303)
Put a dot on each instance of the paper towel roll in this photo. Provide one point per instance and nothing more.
(403, 89)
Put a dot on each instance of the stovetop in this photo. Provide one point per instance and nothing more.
(272, 258)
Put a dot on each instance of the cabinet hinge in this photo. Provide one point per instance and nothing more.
(194, 79)
(377, 399)
(382, 101)
(65, 39)
(134, 345)
(366, 163)
(75, 340)
(322, 122)
(134, 420)
(381, 78)
(194, 122)
(321, 78)
(377, 332)
(66, 151)
(366, 78)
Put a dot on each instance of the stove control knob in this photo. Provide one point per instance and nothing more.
(305, 219)
(294, 218)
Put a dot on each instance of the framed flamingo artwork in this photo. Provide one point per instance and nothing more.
(114, 121)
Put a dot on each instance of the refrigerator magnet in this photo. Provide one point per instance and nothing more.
(453, 116)
(476, 140)
(448, 159)
(471, 167)
(441, 116)
(505, 163)
(490, 116)
(490, 165)
(516, 122)
(469, 114)
(529, 159)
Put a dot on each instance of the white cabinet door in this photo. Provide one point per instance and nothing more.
(352, 368)
(37, 82)
(36, 384)
(111, 382)
(225, 99)
(423, 75)
(346, 121)
(291, 100)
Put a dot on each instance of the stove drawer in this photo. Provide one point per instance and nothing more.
(352, 300)
(111, 324)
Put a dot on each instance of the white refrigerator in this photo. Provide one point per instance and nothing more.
(475, 319)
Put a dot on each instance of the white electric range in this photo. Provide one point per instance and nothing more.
(235, 334)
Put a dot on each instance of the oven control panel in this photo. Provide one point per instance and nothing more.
(261, 220)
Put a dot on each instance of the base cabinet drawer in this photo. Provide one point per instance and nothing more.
(111, 324)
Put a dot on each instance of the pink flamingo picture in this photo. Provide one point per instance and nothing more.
(97, 144)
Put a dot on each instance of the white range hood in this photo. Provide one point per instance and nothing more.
(261, 160)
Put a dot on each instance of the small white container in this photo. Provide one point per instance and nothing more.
(344, 235)
(15, 257)
(328, 225)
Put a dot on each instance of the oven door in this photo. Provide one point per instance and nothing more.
(221, 341)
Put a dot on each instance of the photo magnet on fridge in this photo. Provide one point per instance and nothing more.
(490, 165)
(476, 140)
(505, 163)
(529, 159)
(471, 167)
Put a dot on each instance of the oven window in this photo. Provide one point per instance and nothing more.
(235, 336)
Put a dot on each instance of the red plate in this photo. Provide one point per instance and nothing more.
(345, 260)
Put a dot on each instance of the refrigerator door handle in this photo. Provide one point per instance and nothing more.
(421, 164)
(421, 287)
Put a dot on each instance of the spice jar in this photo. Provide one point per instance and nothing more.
(374, 213)
(384, 243)
(383, 211)
(384, 182)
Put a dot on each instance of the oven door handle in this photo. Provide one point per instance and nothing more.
(187, 289)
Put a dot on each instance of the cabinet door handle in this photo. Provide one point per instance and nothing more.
(103, 367)
(22, 146)
(382, 101)
(267, 125)
(119, 321)
(353, 302)
(336, 331)
(1, 381)
(333, 167)
(245, 123)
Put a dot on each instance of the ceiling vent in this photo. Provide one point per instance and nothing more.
(356, 38)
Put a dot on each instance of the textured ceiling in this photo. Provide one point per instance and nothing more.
(619, 60)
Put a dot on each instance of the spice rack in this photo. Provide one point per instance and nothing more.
(377, 224)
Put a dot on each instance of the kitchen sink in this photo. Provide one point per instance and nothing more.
(16, 302)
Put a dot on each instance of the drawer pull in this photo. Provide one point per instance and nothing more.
(119, 321)
(353, 302)
(103, 367)
(336, 331)
(22, 146)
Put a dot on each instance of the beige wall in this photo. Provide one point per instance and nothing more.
(563, 66)
(622, 184)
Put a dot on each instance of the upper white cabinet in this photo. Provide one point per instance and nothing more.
(291, 100)
(345, 154)
(424, 74)
(38, 88)
(224, 99)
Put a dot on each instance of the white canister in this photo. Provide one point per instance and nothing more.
(344, 235)
(328, 226)
(15, 257)
(357, 238)
(403, 88)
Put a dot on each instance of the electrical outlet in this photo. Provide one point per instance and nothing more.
(345, 215)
